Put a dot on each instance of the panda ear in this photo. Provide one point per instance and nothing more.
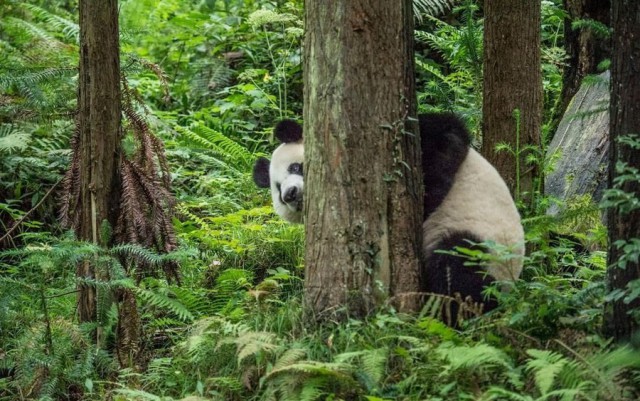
(288, 131)
(261, 173)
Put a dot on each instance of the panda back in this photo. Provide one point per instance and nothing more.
(478, 202)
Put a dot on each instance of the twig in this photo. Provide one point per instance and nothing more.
(23, 218)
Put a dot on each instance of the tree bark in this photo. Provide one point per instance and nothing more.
(363, 195)
(585, 49)
(625, 121)
(99, 113)
(512, 81)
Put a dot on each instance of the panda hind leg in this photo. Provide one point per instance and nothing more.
(446, 274)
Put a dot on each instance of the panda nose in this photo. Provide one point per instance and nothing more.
(290, 195)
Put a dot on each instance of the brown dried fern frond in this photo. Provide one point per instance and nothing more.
(146, 204)
(70, 197)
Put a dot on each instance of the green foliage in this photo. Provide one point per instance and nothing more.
(211, 78)
(596, 27)
(431, 7)
(388, 356)
(623, 198)
(455, 83)
(253, 240)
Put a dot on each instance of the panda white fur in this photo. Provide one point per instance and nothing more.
(465, 200)
(284, 173)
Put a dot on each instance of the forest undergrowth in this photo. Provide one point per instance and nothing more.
(210, 79)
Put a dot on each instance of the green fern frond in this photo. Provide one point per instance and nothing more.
(372, 362)
(545, 366)
(232, 280)
(599, 29)
(502, 394)
(218, 143)
(431, 7)
(479, 356)
(68, 28)
(166, 302)
(339, 371)
(35, 76)
(139, 253)
(225, 383)
(195, 301)
(253, 342)
(312, 390)
(289, 357)
(13, 141)
(34, 30)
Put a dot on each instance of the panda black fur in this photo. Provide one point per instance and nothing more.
(465, 200)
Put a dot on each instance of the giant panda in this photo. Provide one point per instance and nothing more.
(466, 204)
(283, 174)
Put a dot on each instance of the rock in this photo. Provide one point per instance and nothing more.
(580, 146)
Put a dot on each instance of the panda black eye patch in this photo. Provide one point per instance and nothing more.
(295, 168)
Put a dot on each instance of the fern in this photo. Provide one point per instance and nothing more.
(290, 357)
(27, 78)
(68, 28)
(431, 7)
(479, 357)
(12, 141)
(599, 29)
(310, 379)
(253, 343)
(164, 300)
(51, 373)
(34, 30)
(372, 363)
(546, 366)
(217, 143)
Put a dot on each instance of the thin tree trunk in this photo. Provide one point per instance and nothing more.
(363, 191)
(512, 81)
(625, 121)
(99, 128)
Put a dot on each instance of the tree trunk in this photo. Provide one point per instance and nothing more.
(512, 81)
(363, 195)
(585, 49)
(99, 128)
(624, 225)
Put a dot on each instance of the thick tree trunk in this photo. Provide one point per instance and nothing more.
(99, 128)
(363, 191)
(585, 49)
(625, 121)
(512, 81)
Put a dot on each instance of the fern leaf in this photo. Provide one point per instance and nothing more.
(13, 141)
(165, 302)
(477, 356)
(216, 142)
(290, 357)
(68, 28)
(431, 7)
(373, 362)
(254, 342)
(545, 365)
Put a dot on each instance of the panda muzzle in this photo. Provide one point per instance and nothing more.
(291, 195)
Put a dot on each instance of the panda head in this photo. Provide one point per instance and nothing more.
(283, 174)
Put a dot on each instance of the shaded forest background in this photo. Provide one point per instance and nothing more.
(202, 300)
